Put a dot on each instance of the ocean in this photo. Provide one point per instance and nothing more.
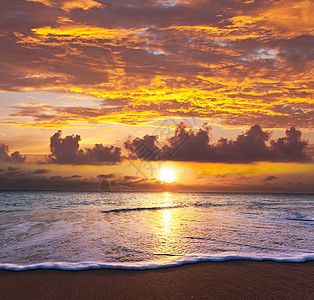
(139, 230)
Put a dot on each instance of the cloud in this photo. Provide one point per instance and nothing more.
(102, 153)
(10, 169)
(243, 60)
(15, 172)
(144, 148)
(66, 151)
(15, 157)
(129, 183)
(291, 147)
(270, 178)
(251, 146)
(185, 144)
(68, 5)
(41, 171)
(26, 181)
(23, 180)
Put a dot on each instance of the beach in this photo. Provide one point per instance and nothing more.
(206, 280)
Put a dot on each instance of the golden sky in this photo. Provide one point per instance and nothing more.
(111, 71)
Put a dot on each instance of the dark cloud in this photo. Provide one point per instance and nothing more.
(184, 145)
(12, 169)
(144, 148)
(297, 52)
(128, 183)
(113, 182)
(290, 148)
(66, 151)
(15, 172)
(270, 178)
(38, 182)
(102, 154)
(108, 182)
(105, 176)
(15, 157)
(22, 16)
(137, 14)
(41, 171)
(253, 145)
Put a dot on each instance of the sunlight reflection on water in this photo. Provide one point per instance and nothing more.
(152, 227)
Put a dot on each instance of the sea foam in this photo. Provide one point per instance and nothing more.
(86, 265)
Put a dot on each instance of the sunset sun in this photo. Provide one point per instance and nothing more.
(167, 175)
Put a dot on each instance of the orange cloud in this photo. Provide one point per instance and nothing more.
(234, 63)
(294, 16)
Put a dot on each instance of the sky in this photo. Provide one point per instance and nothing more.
(169, 95)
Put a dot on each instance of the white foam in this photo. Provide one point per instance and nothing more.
(85, 265)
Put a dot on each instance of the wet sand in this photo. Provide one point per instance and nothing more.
(220, 280)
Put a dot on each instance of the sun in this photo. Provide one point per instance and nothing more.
(167, 175)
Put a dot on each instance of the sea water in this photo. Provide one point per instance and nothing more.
(79, 230)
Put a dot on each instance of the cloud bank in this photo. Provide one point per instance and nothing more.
(66, 151)
(251, 146)
(19, 179)
(186, 145)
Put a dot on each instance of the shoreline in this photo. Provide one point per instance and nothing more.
(90, 265)
(236, 279)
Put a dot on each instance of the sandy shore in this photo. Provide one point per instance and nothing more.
(227, 280)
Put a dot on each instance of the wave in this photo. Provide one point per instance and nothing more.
(122, 210)
(13, 210)
(87, 265)
(296, 216)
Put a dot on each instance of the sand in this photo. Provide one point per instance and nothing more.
(222, 280)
